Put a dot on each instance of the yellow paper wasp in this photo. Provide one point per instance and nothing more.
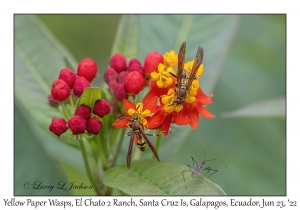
(184, 77)
(137, 131)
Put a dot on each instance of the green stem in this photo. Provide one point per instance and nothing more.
(87, 166)
(64, 110)
(72, 104)
(158, 140)
(119, 147)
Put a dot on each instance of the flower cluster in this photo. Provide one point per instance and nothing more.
(70, 84)
(123, 80)
(163, 93)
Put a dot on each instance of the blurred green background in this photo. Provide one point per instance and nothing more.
(245, 61)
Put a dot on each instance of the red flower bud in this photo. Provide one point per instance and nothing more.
(151, 62)
(121, 77)
(79, 85)
(68, 76)
(134, 60)
(118, 62)
(136, 67)
(60, 90)
(121, 92)
(94, 125)
(113, 103)
(83, 111)
(77, 124)
(134, 82)
(87, 68)
(101, 108)
(51, 101)
(58, 126)
(112, 86)
(110, 74)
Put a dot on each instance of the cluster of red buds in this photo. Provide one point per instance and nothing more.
(68, 84)
(124, 80)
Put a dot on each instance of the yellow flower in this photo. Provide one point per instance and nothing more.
(168, 101)
(163, 78)
(170, 59)
(189, 65)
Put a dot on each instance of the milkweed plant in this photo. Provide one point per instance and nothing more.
(100, 119)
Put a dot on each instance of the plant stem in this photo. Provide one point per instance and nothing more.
(72, 104)
(64, 110)
(158, 140)
(87, 166)
(119, 147)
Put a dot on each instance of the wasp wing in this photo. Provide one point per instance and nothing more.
(150, 144)
(197, 63)
(181, 55)
(129, 152)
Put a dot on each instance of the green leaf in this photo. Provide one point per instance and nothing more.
(149, 177)
(34, 167)
(267, 108)
(39, 57)
(128, 35)
(90, 96)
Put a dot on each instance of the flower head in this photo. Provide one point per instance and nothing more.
(170, 59)
(94, 125)
(58, 126)
(60, 90)
(134, 82)
(189, 65)
(151, 62)
(68, 76)
(167, 113)
(163, 78)
(101, 108)
(162, 119)
(79, 85)
(142, 111)
(118, 62)
(77, 124)
(87, 68)
(193, 109)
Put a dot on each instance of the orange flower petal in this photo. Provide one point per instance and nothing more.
(204, 112)
(155, 91)
(121, 123)
(184, 110)
(166, 124)
(151, 104)
(202, 98)
(193, 114)
(180, 119)
(128, 105)
(151, 92)
(157, 119)
(149, 95)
